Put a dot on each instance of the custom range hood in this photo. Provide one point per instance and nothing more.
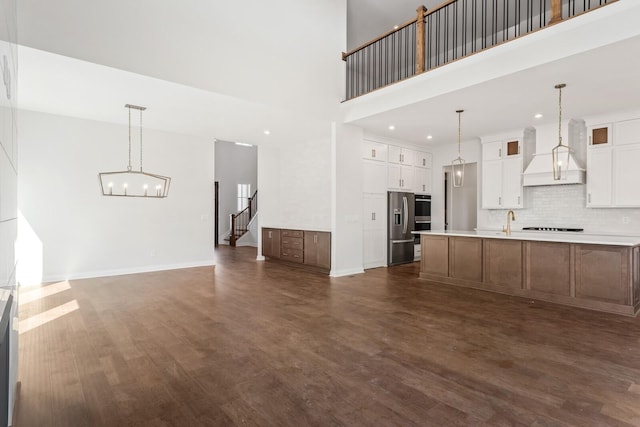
(538, 161)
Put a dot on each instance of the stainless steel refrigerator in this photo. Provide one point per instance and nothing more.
(401, 220)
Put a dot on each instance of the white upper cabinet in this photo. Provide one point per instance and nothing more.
(613, 165)
(372, 150)
(627, 132)
(400, 155)
(400, 177)
(599, 177)
(501, 149)
(626, 174)
(502, 174)
(423, 160)
(423, 181)
(374, 177)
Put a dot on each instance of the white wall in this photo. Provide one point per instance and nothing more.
(234, 165)
(346, 244)
(294, 182)
(84, 234)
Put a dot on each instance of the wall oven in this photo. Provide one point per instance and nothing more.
(422, 214)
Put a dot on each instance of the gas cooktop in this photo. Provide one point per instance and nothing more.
(553, 229)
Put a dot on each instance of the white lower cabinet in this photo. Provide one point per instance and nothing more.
(374, 230)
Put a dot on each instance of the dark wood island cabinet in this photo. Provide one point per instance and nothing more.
(579, 272)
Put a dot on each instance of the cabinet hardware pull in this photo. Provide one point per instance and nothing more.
(373, 216)
(499, 152)
(518, 200)
(373, 152)
(424, 187)
(590, 140)
(500, 201)
(589, 197)
(269, 234)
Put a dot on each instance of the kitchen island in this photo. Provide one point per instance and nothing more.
(598, 272)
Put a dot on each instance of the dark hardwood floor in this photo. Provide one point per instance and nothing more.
(254, 343)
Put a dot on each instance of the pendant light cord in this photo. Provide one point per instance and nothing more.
(129, 167)
(459, 131)
(140, 140)
(560, 115)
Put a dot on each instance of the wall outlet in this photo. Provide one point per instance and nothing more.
(625, 220)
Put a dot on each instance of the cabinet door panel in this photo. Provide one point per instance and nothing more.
(503, 263)
(435, 258)
(627, 132)
(374, 151)
(492, 151)
(422, 183)
(423, 160)
(394, 177)
(271, 242)
(548, 268)
(406, 177)
(512, 182)
(374, 214)
(395, 154)
(627, 176)
(602, 272)
(374, 177)
(492, 184)
(374, 247)
(599, 181)
(465, 258)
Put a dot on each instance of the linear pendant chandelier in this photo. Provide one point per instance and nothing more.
(130, 183)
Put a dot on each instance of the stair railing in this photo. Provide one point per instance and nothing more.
(240, 221)
(450, 31)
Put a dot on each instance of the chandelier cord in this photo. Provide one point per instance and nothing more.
(560, 115)
(129, 167)
(459, 131)
(140, 140)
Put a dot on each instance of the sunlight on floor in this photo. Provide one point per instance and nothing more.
(47, 316)
(44, 291)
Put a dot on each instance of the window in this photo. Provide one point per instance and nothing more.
(244, 192)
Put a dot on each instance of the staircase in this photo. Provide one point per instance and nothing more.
(240, 221)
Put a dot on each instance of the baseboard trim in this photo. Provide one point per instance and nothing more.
(123, 271)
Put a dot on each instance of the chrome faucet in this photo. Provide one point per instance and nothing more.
(510, 217)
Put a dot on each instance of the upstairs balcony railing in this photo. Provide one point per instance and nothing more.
(453, 30)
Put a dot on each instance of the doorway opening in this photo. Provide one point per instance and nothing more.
(461, 203)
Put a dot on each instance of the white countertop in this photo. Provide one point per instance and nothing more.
(543, 236)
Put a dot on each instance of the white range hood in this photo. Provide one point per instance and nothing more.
(538, 160)
(540, 172)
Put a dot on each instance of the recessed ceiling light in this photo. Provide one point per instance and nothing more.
(391, 127)
(266, 132)
(538, 116)
(429, 136)
(395, 27)
(244, 144)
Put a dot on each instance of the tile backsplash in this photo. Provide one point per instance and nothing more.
(564, 206)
